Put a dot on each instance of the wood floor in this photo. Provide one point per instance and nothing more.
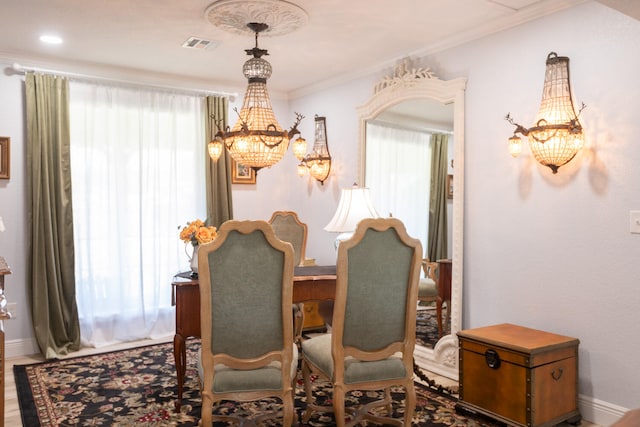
(12, 410)
(11, 407)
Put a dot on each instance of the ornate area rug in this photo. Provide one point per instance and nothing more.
(137, 387)
(427, 327)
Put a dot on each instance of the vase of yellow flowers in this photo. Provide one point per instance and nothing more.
(196, 233)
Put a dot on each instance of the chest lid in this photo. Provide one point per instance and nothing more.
(519, 338)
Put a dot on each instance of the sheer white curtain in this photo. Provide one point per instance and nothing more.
(137, 160)
(398, 175)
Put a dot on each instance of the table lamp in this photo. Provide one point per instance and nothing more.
(355, 204)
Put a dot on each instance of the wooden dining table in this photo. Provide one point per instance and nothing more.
(310, 283)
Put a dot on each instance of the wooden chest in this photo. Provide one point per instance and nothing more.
(312, 317)
(519, 376)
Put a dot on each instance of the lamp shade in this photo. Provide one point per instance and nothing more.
(1, 225)
(355, 204)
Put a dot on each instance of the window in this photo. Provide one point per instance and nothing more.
(137, 163)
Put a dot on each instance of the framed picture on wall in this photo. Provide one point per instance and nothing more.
(5, 160)
(242, 174)
(449, 186)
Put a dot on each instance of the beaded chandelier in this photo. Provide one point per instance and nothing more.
(256, 140)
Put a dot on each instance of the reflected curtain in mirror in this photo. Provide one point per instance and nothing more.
(397, 174)
(437, 248)
(52, 276)
(218, 172)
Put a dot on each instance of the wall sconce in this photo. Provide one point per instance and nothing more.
(557, 136)
(318, 162)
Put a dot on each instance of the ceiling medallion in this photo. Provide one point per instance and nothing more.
(282, 17)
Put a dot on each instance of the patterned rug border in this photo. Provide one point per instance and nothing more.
(438, 414)
(28, 411)
(27, 406)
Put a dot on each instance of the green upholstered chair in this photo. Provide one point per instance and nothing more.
(288, 227)
(428, 290)
(372, 339)
(247, 352)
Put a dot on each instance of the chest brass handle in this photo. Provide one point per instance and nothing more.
(492, 358)
(556, 375)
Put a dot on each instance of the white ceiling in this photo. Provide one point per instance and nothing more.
(342, 38)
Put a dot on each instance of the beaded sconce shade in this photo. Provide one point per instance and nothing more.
(557, 135)
(318, 162)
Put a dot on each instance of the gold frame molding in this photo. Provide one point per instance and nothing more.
(241, 174)
(5, 157)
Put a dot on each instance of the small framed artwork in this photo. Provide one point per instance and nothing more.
(242, 174)
(5, 160)
(449, 186)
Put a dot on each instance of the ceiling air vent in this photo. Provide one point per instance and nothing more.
(198, 43)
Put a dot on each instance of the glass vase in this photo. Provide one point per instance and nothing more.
(193, 261)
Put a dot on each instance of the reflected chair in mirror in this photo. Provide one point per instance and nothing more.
(288, 227)
(247, 351)
(428, 290)
(372, 339)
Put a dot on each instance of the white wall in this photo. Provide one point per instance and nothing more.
(13, 203)
(547, 251)
(551, 252)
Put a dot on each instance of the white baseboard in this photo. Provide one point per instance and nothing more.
(19, 348)
(599, 412)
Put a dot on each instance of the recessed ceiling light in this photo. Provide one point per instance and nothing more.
(50, 39)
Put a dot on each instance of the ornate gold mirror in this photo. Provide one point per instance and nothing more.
(410, 88)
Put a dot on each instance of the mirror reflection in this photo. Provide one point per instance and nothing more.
(400, 173)
(408, 151)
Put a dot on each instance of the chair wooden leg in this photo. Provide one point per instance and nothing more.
(369, 412)
(338, 406)
(409, 404)
(306, 373)
(387, 395)
(207, 410)
(288, 410)
(447, 317)
(439, 315)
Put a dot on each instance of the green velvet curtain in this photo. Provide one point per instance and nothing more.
(437, 246)
(219, 200)
(51, 257)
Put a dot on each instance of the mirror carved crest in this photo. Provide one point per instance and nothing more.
(404, 74)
